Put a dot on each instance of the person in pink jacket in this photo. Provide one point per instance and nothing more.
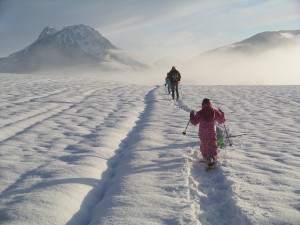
(206, 118)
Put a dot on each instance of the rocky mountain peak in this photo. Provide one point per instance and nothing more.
(47, 32)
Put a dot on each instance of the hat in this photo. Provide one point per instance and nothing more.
(206, 101)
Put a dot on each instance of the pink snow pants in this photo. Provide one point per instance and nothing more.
(208, 145)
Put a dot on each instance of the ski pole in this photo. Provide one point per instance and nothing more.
(237, 135)
(184, 132)
(230, 143)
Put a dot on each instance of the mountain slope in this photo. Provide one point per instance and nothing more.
(73, 46)
(261, 42)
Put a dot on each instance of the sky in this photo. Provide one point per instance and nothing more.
(152, 29)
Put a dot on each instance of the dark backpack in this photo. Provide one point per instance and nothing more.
(174, 76)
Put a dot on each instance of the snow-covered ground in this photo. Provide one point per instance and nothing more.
(86, 151)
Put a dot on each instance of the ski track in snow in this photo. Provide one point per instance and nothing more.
(62, 111)
(86, 151)
(210, 191)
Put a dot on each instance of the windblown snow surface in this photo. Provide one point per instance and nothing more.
(87, 151)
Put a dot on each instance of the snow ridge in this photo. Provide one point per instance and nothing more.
(97, 197)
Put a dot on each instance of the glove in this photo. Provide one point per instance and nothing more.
(192, 113)
(221, 111)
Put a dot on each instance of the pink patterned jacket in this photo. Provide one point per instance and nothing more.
(206, 118)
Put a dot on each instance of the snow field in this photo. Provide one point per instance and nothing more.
(87, 151)
(57, 155)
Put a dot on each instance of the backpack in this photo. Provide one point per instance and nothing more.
(174, 76)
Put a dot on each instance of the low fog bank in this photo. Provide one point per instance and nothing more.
(277, 67)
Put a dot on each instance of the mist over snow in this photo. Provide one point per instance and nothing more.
(278, 66)
(268, 58)
(265, 58)
(273, 67)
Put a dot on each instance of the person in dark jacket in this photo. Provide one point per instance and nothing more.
(174, 77)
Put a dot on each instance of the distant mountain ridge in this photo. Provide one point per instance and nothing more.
(73, 46)
(261, 42)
